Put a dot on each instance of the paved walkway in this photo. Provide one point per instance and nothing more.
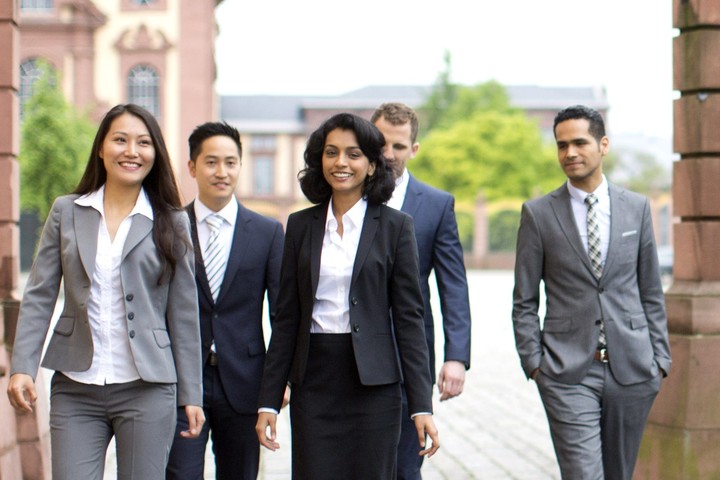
(495, 430)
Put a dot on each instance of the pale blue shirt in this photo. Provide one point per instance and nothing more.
(602, 208)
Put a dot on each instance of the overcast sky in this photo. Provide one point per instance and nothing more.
(329, 47)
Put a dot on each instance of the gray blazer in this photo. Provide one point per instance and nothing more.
(162, 320)
(628, 297)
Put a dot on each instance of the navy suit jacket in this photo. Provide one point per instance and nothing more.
(235, 320)
(384, 299)
(439, 248)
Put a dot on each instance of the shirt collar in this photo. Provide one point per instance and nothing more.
(95, 200)
(354, 216)
(228, 212)
(601, 192)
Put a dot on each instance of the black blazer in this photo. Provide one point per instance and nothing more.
(235, 321)
(384, 297)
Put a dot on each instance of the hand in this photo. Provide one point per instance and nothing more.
(21, 392)
(286, 397)
(535, 373)
(426, 426)
(267, 420)
(196, 419)
(451, 379)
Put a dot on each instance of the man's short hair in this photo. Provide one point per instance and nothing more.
(398, 114)
(581, 112)
(212, 129)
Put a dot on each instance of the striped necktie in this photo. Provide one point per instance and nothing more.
(593, 240)
(214, 256)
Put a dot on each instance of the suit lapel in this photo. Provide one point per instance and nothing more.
(367, 235)
(140, 228)
(240, 243)
(317, 234)
(413, 198)
(560, 201)
(87, 223)
(617, 227)
(200, 274)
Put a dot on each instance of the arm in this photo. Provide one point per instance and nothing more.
(450, 275)
(651, 294)
(182, 319)
(39, 298)
(526, 294)
(272, 278)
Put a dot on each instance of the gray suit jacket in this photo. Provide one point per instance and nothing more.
(628, 297)
(162, 320)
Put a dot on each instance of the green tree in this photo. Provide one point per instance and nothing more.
(55, 143)
(498, 154)
(443, 94)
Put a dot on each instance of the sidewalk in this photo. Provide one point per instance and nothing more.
(495, 430)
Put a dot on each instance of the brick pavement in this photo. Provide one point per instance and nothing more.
(495, 430)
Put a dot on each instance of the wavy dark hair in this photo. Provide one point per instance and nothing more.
(159, 184)
(378, 188)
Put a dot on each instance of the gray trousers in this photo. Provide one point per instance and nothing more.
(597, 425)
(83, 419)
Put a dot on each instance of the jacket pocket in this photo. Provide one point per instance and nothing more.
(638, 320)
(65, 326)
(256, 348)
(161, 337)
(557, 324)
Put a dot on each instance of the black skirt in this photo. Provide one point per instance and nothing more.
(341, 429)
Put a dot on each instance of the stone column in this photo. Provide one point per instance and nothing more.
(683, 433)
(24, 439)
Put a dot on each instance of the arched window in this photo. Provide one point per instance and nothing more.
(144, 88)
(30, 72)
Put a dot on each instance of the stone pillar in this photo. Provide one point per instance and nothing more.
(24, 439)
(683, 433)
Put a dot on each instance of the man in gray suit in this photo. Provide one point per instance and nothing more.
(602, 350)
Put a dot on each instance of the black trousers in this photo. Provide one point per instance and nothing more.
(341, 429)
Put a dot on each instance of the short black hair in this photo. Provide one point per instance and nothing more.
(577, 112)
(212, 129)
(378, 188)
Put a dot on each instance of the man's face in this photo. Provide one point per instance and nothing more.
(216, 171)
(398, 145)
(580, 154)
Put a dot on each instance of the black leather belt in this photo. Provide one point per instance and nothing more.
(601, 355)
(212, 359)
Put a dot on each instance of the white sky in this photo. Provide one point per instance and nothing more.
(329, 47)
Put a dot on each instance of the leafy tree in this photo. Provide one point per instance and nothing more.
(499, 154)
(443, 94)
(54, 146)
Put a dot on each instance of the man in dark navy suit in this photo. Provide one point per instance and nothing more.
(439, 249)
(237, 254)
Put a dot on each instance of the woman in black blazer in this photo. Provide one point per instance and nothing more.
(349, 323)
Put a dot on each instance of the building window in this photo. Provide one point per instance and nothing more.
(30, 72)
(144, 88)
(263, 143)
(36, 5)
(144, 2)
(262, 174)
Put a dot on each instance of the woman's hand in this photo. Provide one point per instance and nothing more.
(267, 420)
(21, 392)
(196, 420)
(426, 426)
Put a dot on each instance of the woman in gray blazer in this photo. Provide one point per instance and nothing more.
(349, 322)
(126, 348)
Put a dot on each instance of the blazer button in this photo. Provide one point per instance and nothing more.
(356, 328)
(597, 322)
(129, 297)
(132, 333)
(354, 301)
(131, 316)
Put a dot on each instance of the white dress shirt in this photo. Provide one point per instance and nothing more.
(227, 229)
(398, 196)
(112, 358)
(602, 208)
(331, 309)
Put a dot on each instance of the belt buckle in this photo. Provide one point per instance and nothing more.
(603, 355)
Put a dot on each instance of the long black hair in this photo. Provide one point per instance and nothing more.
(159, 184)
